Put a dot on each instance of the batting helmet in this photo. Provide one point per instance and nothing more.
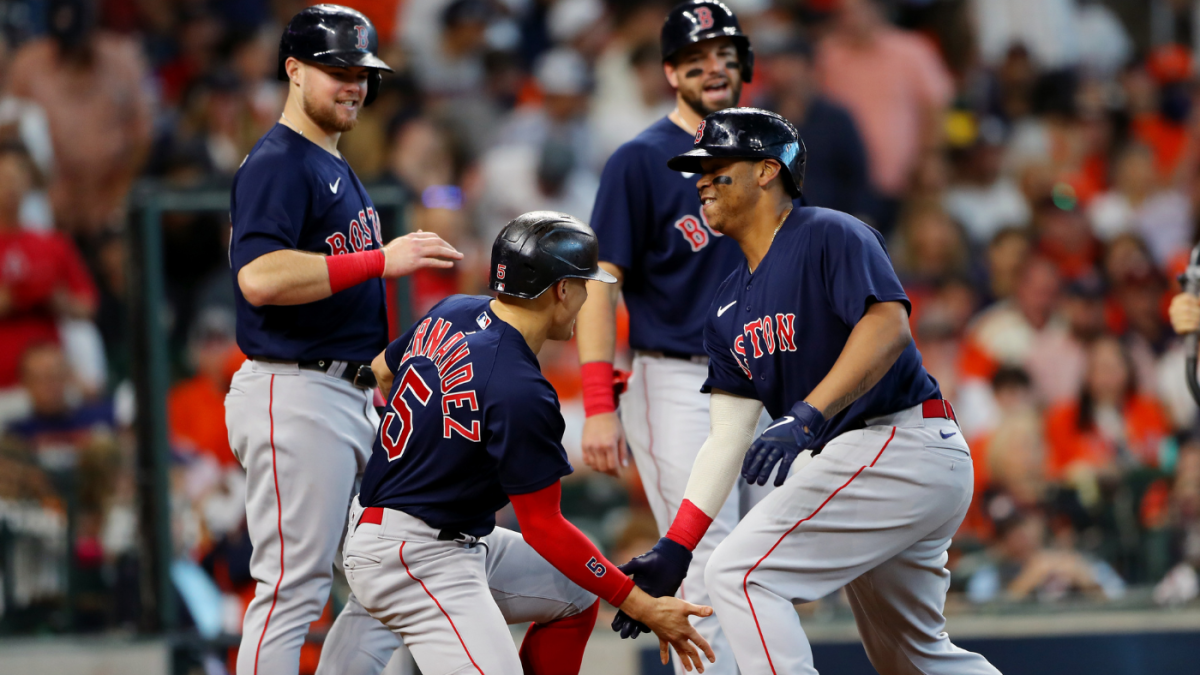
(747, 133)
(333, 35)
(536, 249)
(697, 20)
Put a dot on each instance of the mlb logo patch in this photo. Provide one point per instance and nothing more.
(483, 320)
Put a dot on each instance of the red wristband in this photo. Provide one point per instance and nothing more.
(598, 397)
(689, 525)
(351, 269)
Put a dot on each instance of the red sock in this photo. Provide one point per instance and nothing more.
(556, 648)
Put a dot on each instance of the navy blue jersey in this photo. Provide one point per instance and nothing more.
(291, 194)
(649, 224)
(470, 420)
(773, 335)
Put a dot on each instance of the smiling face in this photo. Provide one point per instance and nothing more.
(706, 75)
(730, 187)
(330, 95)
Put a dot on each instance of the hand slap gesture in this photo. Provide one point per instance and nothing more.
(417, 250)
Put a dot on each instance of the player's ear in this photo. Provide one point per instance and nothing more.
(292, 67)
(671, 73)
(768, 170)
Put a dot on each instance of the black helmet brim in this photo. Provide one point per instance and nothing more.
(689, 162)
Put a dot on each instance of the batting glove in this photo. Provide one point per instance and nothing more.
(783, 440)
(659, 572)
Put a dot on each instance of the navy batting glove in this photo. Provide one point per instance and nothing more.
(659, 572)
(783, 440)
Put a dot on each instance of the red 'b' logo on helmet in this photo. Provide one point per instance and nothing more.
(699, 132)
(362, 37)
(705, 17)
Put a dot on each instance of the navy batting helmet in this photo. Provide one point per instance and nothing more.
(333, 35)
(537, 249)
(697, 20)
(747, 133)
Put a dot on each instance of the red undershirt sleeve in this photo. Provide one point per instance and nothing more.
(564, 546)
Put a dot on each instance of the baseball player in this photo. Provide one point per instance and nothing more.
(668, 262)
(308, 267)
(470, 425)
(814, 325)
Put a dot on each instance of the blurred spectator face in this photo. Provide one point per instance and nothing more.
(464, 27)
(1022, 539)
(1063, 231)
(1140, 91)
(1016, 455)
(706, 75)
(44, 376)
(421, 155)
(211, 341)
(254, 60)
(1108, 375)
(1141, 299)
(1037, 290)
(1126, 258)
(787, 73)
(1012, 388)
(15, 181)
(1017, 76)
(935, 246)
(70, 24)
(859, 18)
(1134, 174)
(331, 97)
(1083, 308)
(562, 76)
(1006, 255)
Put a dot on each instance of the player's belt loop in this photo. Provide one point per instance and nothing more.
(938, 408)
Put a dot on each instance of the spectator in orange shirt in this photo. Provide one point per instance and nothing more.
(1110, 427)
(196, 407)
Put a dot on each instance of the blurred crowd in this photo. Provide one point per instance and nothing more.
(1034, 165)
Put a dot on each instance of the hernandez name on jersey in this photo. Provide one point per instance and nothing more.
(760, 347)
(470, 420)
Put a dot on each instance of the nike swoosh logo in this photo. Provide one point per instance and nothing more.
(721, 310)
(334, 185)
(947, 435)
(787, 419)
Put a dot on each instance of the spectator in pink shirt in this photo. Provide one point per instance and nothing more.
(896, 88)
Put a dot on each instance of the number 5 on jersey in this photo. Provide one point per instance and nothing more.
(401, 412)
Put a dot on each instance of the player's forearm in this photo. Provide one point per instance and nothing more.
(732, 424)
(872, 348)
(596, 326)
(287, 277)
(566, 548)
(383, 374)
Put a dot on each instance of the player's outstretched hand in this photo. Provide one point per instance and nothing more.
(1185, 313)
(786, 438)
(604, 443)
(659, 572)
(668, 618)
(417, 250)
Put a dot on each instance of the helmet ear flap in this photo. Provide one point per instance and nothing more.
(374, 79)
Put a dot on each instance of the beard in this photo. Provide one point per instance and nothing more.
(327, 116)
(694, 98)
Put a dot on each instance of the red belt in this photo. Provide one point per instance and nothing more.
(939, 408)
(372, 515)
